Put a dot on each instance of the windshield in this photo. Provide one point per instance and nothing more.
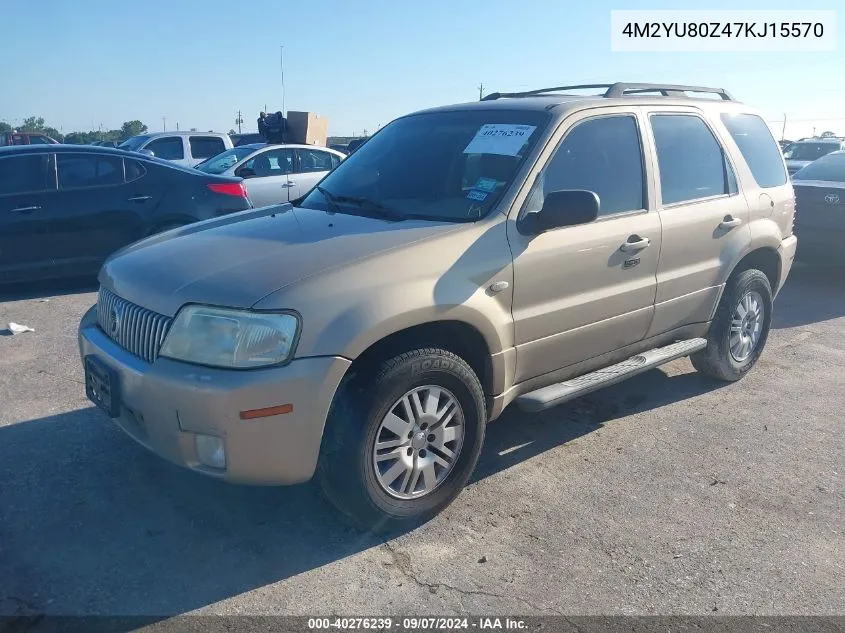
(452, 166)
(830, 167)
(809, 151)
(134, 144)
(228, 159)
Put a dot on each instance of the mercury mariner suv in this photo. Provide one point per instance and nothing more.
(525, 249)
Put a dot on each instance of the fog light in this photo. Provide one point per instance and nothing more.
(210, 451)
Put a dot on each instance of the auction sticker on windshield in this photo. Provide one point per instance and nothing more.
(505, 139)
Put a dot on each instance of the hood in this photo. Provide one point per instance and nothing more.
(237, 260)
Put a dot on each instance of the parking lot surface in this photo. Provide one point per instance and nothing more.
(666, 494)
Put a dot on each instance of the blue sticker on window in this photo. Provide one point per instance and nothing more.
(480, 196)
(485, 184)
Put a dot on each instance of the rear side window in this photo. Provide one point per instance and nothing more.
(692, 163)
(167, 147)
(829, 168)
(134, 170)
(314, 160)
(602, 155)
(206, 146)
(758, 148)
(24, 174)
(78, 171)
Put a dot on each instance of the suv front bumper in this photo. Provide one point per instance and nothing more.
(166, 404)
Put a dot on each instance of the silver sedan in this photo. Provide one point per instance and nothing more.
(274, 173)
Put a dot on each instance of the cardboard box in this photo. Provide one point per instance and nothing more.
(308, 128)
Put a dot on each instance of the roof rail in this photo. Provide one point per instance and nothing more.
(619, 89)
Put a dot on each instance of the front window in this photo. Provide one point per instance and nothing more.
(809, 151)
(225, 161)
(133, 144)
(451, 166)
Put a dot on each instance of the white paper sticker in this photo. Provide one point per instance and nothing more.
(505, 139)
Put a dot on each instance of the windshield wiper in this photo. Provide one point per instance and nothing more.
(328, 195)
(377, 208)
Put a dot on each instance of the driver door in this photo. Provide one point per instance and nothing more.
(267, 178)
(582, 291)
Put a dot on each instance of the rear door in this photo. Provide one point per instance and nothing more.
(203, 147)
(312, 166)
(266, 176)
(704, 216)
(25, 184)
(94, 212)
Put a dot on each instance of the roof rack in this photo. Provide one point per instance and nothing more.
(619, 89)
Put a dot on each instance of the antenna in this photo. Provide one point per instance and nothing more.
(481, 92)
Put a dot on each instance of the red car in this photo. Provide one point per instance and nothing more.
(25, 138)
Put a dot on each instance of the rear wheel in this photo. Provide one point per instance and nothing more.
(740, 329)
(402, 442)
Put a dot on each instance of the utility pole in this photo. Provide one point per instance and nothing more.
(480, 92)
(239, 121)
(783, 131)
(164, 124)
(177, 126)
(282, 65)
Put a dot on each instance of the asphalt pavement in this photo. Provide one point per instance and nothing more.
(667, 494)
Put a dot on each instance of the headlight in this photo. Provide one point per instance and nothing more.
(230, 338)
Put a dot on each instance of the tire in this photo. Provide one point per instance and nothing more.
(718, 359)
(349, 470)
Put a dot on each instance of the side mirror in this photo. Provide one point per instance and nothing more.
(146, 152)
(569, 207)
(245, 172)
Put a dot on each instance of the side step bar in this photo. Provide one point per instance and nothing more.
(559, 393)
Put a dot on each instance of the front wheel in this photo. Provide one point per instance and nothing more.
(401, 443)
(740, 329)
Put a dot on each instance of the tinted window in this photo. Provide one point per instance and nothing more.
(416, 166)
(206, 146)
(20, 174)
(335, 160)
(600, 155)
(167, 147)
(39, 140)
(274, 162)
(758, 148)
(830, 167)
(134, 170)
(692, 163)
(314, 160)
(809, 151)
(88, 170)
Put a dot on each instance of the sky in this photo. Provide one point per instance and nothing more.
(85, 63)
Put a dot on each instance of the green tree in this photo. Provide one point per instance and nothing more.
(130, 129)
(32, 124)
(5, 127)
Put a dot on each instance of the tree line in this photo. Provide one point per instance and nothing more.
(37, 124)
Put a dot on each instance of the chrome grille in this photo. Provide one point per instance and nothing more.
(138, 330)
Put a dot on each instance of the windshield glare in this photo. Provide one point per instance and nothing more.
(809, 151)
(134, 143)
(830, 168)
(222, 162)
(451, 166)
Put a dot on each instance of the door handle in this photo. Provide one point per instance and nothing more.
(289, 184)
(26, 209)
(729, 222)
(635, 243)
(140, 198)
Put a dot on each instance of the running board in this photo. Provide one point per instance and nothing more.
(561, 392)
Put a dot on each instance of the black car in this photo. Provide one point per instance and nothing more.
(246, 139)
(820, 209)
(65, 208)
